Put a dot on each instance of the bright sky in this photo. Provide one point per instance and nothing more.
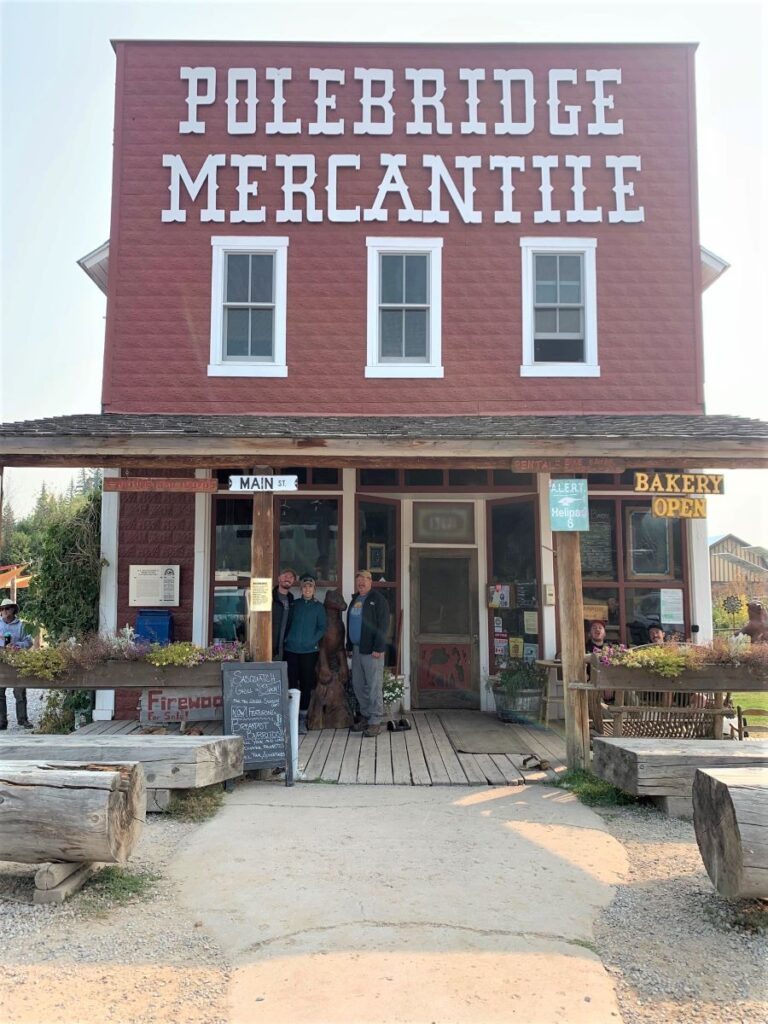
(57, 115)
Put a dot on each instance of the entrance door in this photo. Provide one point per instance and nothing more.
(445, 662)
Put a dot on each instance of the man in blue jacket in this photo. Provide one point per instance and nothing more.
(367, 627)
(13, 634)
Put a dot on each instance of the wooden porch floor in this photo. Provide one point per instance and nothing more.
(422, 756)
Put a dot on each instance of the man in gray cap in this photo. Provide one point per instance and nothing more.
(367, 626)
(13, 634)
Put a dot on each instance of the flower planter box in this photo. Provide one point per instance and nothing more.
(719, 678)
(116, 675)
(522, 707)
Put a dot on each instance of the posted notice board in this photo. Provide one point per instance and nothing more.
(256, 708)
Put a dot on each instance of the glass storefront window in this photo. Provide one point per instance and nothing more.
(652, 545)
(308, 536)
(598, 544)
(229, 614)
(234, 525)
(377, 539)
(643, 609)
(514, 616)
(603, 603)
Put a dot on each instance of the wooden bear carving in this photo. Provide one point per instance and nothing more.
(757, 627)
(328, 704)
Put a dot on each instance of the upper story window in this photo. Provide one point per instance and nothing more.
(248, 307)
(404, 307)
(559, 307)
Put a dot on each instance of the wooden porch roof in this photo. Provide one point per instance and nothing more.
(524, 443)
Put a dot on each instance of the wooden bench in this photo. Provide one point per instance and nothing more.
(170, 762)
(664, 769)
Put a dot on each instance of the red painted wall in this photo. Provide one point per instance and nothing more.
(648, 274)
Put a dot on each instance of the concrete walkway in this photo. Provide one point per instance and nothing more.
(368, 905)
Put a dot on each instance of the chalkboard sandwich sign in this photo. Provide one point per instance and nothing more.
(256, 708)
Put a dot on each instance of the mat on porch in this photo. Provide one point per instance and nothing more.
(425, 756)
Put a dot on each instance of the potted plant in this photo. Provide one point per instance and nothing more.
(394, 687)
(517, 691)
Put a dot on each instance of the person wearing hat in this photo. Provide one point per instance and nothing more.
(282, 602)
(367, 626)
(13, 634)
(306, 629)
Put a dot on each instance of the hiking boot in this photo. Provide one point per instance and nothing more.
(372, 730)
(360, 726)
(25, 723)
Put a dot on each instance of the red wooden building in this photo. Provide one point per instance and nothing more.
(424, 279)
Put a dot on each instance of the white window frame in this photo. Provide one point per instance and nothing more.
(585, 247)
(222, 246)
(433, 367)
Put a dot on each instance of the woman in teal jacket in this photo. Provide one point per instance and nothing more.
(305, 631)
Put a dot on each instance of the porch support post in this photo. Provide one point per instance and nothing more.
(262, 543)
(571, 614)
(547, 561)
(700, 587)
(104, 709)
(202, 564)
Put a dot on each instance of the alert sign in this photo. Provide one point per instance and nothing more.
(568, 505)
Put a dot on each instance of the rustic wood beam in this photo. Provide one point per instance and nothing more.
(571, 615)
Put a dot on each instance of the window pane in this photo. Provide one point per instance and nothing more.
(236, 332)
(598, 544)
(546, 292)
(603, 603)
(229, 614)
(261, 332)
(506, 477)
(416, 333)
(570, 268)
(378, 478)
(570, 293)
(391, 333)
(234, 523)
(309, 535)
(237, 278)
(444, 591)
(546, 321)
(546, 268)
(416, 279)
(569, 321)
(300, 472)
(443, 523)
(467, 477)
(649, 547)
(423, 477)
(324, 477)
(558, 350)
(377, 543)
(391, 278)
(643, 611)
(261, 277)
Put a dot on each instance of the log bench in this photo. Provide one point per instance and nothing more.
(730, 815)
(169, 762)
(664, 769)
(72, 814)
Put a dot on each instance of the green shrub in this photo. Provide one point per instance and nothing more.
(592, 791)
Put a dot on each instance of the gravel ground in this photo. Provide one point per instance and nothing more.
(177, 975)
(669, 939)
(35, 702)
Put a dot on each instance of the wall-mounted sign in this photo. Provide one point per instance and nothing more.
(261, 595)
(678, 483)
(259, 483)
(667, 507)
(568, 505)
(442, 522)
(199, 704)
(671, 607)
(167, 484)
(153, 586)
(228, 179)
(566, 464)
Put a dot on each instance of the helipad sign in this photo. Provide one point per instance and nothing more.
(568, 505)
